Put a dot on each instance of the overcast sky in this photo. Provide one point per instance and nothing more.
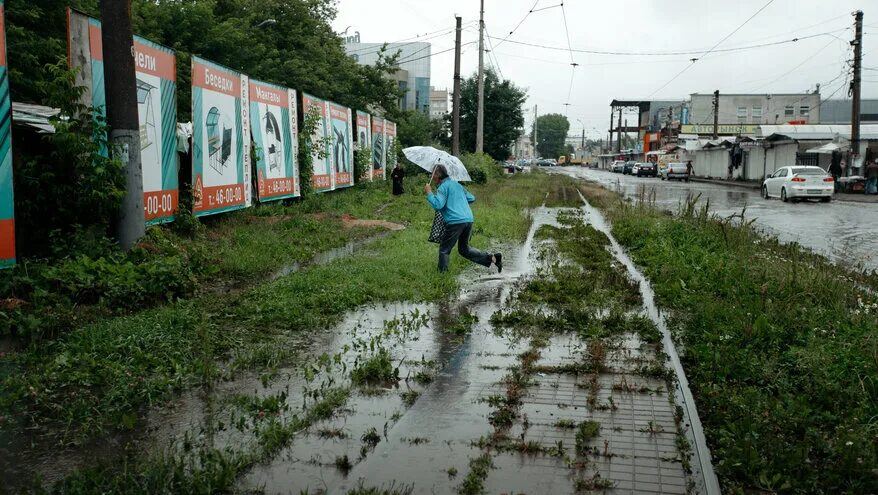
(639, 26)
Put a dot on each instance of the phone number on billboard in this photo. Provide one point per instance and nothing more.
(281, 186)
(159, 203)
(228, 195)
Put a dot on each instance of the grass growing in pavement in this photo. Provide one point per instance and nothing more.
(779, 347)
(100, 376)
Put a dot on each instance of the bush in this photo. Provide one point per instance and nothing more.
(481, 167)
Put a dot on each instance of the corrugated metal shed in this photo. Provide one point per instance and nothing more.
(35, 117)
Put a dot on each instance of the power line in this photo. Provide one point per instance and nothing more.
(807, 59)
(529, 12)
(492, 54)
(416, 38)
(712, 48)
(684, 52)
(433, 54)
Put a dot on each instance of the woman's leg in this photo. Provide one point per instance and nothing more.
(449, 238)
(469, 253)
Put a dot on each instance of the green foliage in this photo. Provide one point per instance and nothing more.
(586, 431)
(551, 132)
(362, 162)
(504, 115)
(416, 128)
(779, 350)
(376, 369)
(306, 160)
(66, 186)
(481, 167)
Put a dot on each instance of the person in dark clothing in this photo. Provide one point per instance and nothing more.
(452, 201)
(397, 175)
(835, 168)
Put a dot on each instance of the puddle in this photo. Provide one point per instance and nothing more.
(330, 255)
(703, 474)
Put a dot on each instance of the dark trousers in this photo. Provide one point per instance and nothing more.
(460, 233)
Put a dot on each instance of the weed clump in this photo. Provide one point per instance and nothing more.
(586, 431)
(377, 369)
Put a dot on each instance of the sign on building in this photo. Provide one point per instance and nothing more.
(341, 145)
(322, 178)
(364, 139)
(378, 151)
(724, 129)
(7, 205)
(220, 137)
(273, 126)
(155, 67)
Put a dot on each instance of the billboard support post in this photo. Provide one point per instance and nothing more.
(124, 136)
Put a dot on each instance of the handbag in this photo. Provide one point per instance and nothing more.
(437, 231)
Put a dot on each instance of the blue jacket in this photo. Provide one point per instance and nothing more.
(452, 201)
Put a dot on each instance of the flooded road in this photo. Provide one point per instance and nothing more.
(844, 232)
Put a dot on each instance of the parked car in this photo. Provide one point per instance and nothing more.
(618, 166)
(629, 166)
(676, 171)
(644, 169)
(799, 182)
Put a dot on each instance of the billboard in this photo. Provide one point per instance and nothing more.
(7, 216)
(155, 67)
(377, 148)
(389, 140)
(220, 138)
(341, 145)
(273, 126)
(364, 138)
(322, 178)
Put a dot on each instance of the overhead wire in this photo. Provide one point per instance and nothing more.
(806, 60)
(435, 53)
(711, 48)
(493, 55)
(416, 38)
(529, 12)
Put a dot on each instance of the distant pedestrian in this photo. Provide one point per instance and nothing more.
(691, 170)
(397, 175)
(872, 178)
(835, 168)
(452, 201)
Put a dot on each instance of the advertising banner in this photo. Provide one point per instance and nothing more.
(155, 67)
(364, 139)
(342, 145)
(7, 217)
(273, 126)
(220, 138)
(389, 141)
(322, 178)
(377, 148)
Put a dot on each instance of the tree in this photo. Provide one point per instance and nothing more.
(504, 117)
(551, 131)
(415, 128)
(300, 50)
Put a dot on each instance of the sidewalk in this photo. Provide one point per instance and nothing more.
(848, 197)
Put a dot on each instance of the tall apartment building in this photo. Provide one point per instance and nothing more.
(438, 103)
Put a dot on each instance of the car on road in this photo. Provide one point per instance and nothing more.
(618, 166)
(644, 169)
(676, 170)
(629, 166)
(799, 182)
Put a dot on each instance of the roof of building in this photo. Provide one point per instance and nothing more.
(816, 132)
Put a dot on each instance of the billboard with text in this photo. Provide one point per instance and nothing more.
(7, 206)
(220, 138)
(378, 148)
(322, 178)
(273, 126)
(341, 145)
(156, 79)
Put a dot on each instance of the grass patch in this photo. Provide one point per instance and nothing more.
(778, 346)
(375, 370)
(585, 432)
(474, 482)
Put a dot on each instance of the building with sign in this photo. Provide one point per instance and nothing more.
(438, 103)
(414, 58)
(755, 109)
(839, 111)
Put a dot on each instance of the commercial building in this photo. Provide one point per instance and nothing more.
(414, 58)
(754, 109)
(839, 111)
(523, 147)
(438, 103)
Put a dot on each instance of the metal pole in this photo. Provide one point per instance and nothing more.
(610, 133)
(536, 151)
(455, 98)
(124, 135)
(619, 133)
(480, 118)
(855, 89)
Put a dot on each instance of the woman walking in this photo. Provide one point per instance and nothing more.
(452, 201)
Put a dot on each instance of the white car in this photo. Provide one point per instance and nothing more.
(798, 182)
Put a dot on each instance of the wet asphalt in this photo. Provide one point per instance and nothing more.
(845, 232)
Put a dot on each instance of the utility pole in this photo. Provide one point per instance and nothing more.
(455, 98)
(619, 133)
(626, 129)
(582, 144)
(716, 114)
(855, 89)
(536, 152)
(124, 134)
(480, 118)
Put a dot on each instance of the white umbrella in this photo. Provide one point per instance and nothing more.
(427, 157)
